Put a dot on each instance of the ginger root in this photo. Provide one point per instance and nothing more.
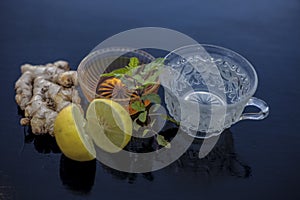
(43, 91)
(23, 89)
(48, 69)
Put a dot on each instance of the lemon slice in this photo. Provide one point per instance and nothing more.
(109, 124)
(70, 135)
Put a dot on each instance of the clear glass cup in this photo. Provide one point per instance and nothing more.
(102, 61)
(207, 88)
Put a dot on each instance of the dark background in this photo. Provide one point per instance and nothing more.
(254, 160)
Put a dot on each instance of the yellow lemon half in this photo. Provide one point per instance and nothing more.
(109, 124)
(71, 136)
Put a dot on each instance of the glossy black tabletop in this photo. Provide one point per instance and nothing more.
(252, 160)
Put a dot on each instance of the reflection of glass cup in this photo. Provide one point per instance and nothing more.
(103, 61)
(221, 83)
(222, 160)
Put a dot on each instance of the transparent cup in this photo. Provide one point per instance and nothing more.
(207, 88)
(102, 61)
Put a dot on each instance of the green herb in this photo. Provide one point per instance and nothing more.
(145, 132)
(143, 116)
(162, 141)
(154, 98)
(166, 117)
(135, 125)
(155, 107)
(133, 63)
(138, 106)
(148, 74)
(116, 73)
(152, 123)
(136, 76)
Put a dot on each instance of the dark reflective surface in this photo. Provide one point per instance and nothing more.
(259, 160)
(77, 176)
(221, 161)
(42, 143)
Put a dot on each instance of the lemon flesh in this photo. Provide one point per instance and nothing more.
(70, 135)
(109, 124)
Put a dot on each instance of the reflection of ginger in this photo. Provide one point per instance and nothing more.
(42, 91)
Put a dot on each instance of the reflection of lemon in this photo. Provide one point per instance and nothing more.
(109, 124)
(70, 135)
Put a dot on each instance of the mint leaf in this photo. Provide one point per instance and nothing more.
(138, 106)
(153, 122)
(116, 72)
(166, 117)
(128, 82)
(138, 78)
(154, 98)
(144, 75)
(159, 61)
(136, 126)
(145, 132)
(154, 65)
(162, 141)
(143, 116)
(151, 71)
(133, 62)
(155, 107)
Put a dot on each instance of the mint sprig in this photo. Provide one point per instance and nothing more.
(136, 76)
(118, 73)
(162, 141)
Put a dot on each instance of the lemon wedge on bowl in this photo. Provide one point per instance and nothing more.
(70, 135)
(108, 124)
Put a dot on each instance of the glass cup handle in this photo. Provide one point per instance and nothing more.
(260, 104)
